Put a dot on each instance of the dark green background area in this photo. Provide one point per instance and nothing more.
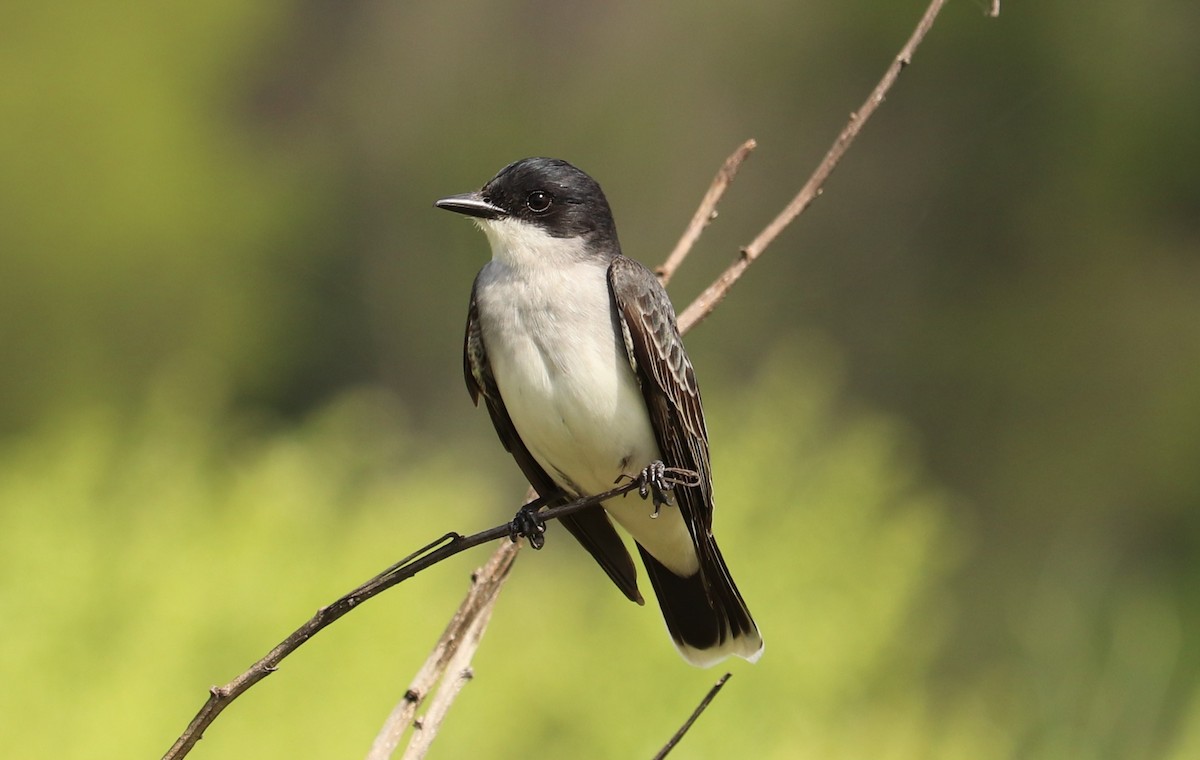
(955, 409)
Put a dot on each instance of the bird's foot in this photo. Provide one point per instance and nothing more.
(528, 524)
(655, 481)
(658, 482)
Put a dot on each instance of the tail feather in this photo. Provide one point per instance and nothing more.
(704, 612)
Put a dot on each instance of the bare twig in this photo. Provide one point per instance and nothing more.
(443, 548)
(713, 295)
(706, 212)
(425, 729)
(708, 698)
(458, 671)
(466, 627)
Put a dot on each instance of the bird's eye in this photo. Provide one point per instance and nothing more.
(538, 201)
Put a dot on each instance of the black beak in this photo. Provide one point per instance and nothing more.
(471, 204)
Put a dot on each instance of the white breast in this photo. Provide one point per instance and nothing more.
(562, 371)
(563, 375)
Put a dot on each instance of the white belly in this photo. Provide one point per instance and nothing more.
(563, 374)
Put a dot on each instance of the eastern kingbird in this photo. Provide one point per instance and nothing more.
(575, 351)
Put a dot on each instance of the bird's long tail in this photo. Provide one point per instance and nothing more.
(704, 612)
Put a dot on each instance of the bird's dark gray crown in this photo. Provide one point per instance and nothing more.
(575, 205)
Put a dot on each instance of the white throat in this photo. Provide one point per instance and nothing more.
(525, 246)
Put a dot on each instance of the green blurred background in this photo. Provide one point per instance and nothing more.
(955, 409)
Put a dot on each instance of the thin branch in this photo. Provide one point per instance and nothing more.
(715, 293)
(425, 730)
(706, 212)
(459, 672)
(704, 703)
(443, 548)
(465, 626)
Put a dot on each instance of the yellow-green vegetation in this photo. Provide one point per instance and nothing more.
(962, 505)
(146, 559)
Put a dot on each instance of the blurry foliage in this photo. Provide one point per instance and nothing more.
(141, 220)
(148, 558)
(155, 555)
(219, 271)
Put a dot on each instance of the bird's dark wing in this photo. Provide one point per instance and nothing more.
(703, 611)
(591, 526)
(647, 322)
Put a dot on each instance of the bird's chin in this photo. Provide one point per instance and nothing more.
(527, 246)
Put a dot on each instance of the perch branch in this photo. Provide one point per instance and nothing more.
(443, 548)
(716, 292)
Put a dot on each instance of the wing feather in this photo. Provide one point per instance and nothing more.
(712, 614)
(668, 382)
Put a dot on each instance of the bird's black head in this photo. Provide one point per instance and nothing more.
(547, 193)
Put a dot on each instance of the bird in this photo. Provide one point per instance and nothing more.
(575, 351)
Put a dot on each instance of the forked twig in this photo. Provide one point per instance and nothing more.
(716, 292)
(463, 633)
(458, 672)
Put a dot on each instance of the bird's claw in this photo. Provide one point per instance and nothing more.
(528, 524)
(653, 482)
(656, 481)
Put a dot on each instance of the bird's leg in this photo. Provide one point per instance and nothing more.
(528, 524)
